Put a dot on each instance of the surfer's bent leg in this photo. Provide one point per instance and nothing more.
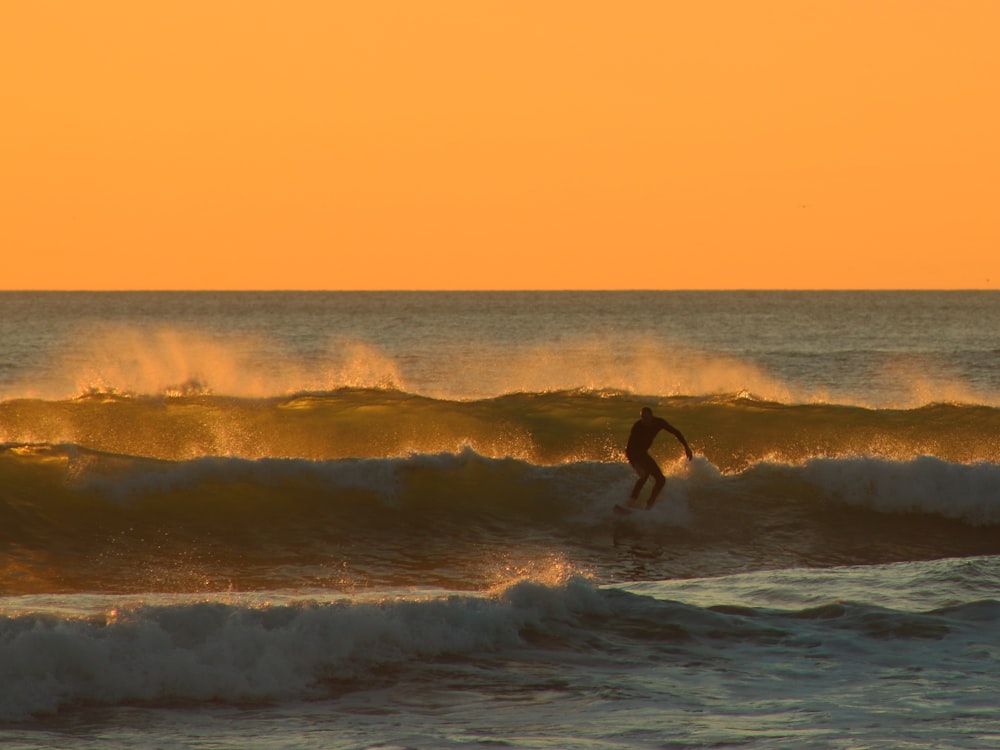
(638, 485)
(658, 483)
(644, 465)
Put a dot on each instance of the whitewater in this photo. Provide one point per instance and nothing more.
(384, 520)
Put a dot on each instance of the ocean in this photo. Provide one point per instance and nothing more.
(360, 520)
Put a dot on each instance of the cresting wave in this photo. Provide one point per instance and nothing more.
(230, 651)
(164, 360)
(733, 432)
(76, 520)
(467, 483)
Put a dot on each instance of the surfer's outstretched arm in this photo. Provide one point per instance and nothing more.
(677, 434)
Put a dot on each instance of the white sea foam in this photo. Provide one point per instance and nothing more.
(641, 642)
(923, 485)
(218, 651)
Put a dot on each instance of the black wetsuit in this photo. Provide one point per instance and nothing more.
(640, 440)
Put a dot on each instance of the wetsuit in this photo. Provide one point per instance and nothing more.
(640, 440)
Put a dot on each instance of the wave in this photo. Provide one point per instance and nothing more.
(161, 360)
(733, 432)
(229, 651)
(469, 483)
(78, 520)
(166, 361)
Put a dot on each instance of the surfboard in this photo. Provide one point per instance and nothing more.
(625, 510)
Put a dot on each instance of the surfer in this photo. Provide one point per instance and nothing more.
(637, 452)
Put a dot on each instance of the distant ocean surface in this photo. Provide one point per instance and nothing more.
(358, 520)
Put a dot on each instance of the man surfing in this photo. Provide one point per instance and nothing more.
(637, 452)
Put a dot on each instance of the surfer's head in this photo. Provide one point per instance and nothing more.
(646, 414)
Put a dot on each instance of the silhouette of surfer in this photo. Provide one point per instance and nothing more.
(637, 452)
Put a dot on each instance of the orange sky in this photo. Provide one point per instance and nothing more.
(499, 144)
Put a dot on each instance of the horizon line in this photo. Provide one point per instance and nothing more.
(443, 290)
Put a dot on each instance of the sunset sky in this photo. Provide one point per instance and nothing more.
(481, 144)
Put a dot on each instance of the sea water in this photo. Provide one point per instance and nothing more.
(384, 520)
